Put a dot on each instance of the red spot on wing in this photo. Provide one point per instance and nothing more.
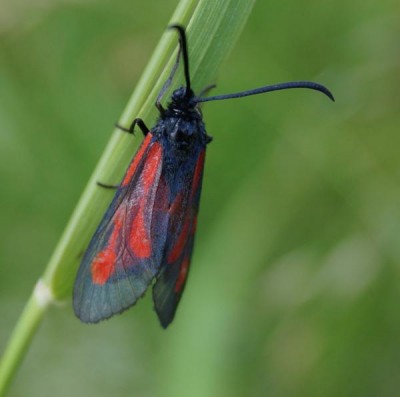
(177, 249)
(198, 172)
(140, 239)
(103, 264)
(180, 282)
(153, 161)
(177, 204)
(136, 160)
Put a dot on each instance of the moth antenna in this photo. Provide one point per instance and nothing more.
(275, 87)
(183, 45)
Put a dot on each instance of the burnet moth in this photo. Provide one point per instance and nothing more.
(148, 230)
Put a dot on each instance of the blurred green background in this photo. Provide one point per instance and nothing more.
(294, 287)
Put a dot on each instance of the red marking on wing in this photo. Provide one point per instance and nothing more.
(140, 239)
(198, 172)
(177, 204)
(104, 264)
(180, 243)
(151, 166)
(180, 282)
(136, 160)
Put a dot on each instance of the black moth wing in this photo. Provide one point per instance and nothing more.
(125, 253)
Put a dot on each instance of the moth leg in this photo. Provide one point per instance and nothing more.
(106, 186)
(137, 122)
(160, 108)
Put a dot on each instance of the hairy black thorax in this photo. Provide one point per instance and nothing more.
(181, 123)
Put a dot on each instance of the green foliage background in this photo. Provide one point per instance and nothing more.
(294, 287)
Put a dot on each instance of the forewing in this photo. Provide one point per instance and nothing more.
(126, 251)
(171, 280)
